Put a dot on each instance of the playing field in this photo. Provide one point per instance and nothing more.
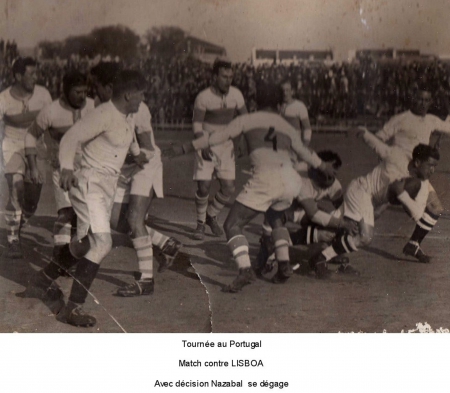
(392, 293)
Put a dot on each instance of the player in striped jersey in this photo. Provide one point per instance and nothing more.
(19, 106)
(274, 182)
(295, 112)
(407, 130)
(214, 108)
(55, 119)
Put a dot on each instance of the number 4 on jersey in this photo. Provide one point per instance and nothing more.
(271, 137)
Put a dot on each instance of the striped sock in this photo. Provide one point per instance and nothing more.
(219, 202)
(306, 235)
(201, 204)
(144, 251)
(12, 219)
(238, 245)
(158, 239)
(341, 245)
(424, 226)
(62, 232)
(281, 239)
(266, 229)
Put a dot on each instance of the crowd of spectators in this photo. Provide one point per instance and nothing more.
(340, 91)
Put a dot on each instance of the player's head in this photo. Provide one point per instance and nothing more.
(422, 99)
(128, 88)
(318, 177)
(75, 88)
(268, 95)
(24, 71)
(424, 161)
(103, 75)
(288, 90)
(222, 75)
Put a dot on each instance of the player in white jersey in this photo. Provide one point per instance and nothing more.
(19, 106)
(368, 192)
(274, 182)
(137, 184)
(53, 121)
(214, 108)
(295, 112)
(105, 135)
(407, 130)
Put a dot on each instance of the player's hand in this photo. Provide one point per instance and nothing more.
(327, 169)
(350, 226)
(174, 151)
(207, 154)
(140, 160)
(398, 186)
(67, 179)
(357, 132)
(35, 176)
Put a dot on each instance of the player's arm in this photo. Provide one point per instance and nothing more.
(414, 209)
(241, 144)
(443, 126)
(308, 155)
(337, 195)
(34, 132)
(306, 125)
(388, 130)
(375, 143)
(197, 125)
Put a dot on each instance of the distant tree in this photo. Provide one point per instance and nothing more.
(165, 40)
(115, 41)
(82, 45)
(50, 49)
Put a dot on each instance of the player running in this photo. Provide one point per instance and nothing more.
(56, 119)
(214, 108)
(137, 184)
(105, 135)
(368, 192)
(406, 131)
(274, 182)
(19, 106)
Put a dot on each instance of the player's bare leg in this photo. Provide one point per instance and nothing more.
(62, 231)
(201, 205)
(13, 215)
(237, 218)
(32, 194)
(220, 200)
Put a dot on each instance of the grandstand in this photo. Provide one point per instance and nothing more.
(289, 56)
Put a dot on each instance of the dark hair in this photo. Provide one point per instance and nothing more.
(221, 63)
(287, 80)
(268, 95)
(128, 80)
(72, 79)
(105, 72)
(330, 156)
(21, 64)
(423, 152)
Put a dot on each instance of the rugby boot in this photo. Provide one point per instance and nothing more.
(14, 250)
(214, 225)
(245, 277)
(199, 232)
(42, 287)
(347, 269)
(74, 315)
(138, 288)
(265, 251)
(283, 273)
(319, 264)
(170, 251)
(414, 250)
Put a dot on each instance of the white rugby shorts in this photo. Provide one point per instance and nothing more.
(222, 164)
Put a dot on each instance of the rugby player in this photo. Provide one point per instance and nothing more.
(56, 119)
(406, 131)
(295, 112)
(106, 135)
(19, 106)
(274, 182)
(214, 108)
(372, 190)
(137, 183)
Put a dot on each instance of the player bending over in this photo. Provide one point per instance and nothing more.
(137, 184)
(105, 135)
(56, 119)
(274, 182)
(19, 106)
(372, 190)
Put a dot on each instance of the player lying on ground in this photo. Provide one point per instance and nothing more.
(56, 119)
(274, 182)
(105, 135)
(214, 108)
(136, 186)
(406, 130)
(19, 106)
(317, 225)
(372, 190)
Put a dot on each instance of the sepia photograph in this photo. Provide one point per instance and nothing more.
(213, 166)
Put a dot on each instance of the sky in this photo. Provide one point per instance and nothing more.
(240, 25)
